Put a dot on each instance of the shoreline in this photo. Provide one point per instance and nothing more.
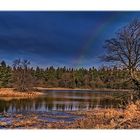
(86, 89)
(10, 92)
(111, 118)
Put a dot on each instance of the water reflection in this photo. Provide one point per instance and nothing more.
(59, 101)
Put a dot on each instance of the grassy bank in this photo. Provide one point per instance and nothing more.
(128, 118)
(10, 92)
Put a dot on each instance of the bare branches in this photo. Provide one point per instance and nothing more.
(22, 75)
(125, 49)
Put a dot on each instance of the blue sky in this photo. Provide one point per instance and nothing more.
(72, 39)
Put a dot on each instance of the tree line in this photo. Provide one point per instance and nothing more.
(23, 77)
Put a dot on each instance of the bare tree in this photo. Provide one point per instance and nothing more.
(22, 76)
(124, 49)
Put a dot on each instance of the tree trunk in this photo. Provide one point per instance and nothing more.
(135, 80)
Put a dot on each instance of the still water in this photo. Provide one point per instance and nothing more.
(57, 100)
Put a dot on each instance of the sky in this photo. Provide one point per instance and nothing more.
(71, 39)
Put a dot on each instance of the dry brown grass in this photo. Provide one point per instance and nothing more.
(129, 118)
(10, 92)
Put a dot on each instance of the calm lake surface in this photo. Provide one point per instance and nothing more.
(57, 100)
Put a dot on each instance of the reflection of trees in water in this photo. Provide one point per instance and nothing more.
(72, 102)
(3, 106)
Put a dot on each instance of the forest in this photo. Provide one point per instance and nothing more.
(23, 77)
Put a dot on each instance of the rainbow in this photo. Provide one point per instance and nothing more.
(97, 30)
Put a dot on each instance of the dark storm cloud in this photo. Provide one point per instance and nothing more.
(58, 38)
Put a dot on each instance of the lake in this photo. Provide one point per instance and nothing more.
(60, 100)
